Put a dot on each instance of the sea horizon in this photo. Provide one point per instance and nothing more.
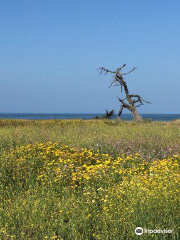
(86, 116)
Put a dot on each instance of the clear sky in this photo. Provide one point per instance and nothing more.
(50, 50)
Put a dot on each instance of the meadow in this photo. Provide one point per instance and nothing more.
(89, 180)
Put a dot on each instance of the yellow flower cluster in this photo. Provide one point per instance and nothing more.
(54, 163)
(122, 190)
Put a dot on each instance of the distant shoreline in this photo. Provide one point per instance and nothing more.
(83, 116)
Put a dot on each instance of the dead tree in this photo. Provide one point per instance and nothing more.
(108, 114)
(131, 101)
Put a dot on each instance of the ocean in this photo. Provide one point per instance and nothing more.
(85, 116)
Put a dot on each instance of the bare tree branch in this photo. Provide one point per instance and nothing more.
(129, 71)
(125, 105)
(137, 96)
(119, 69)
(105, 71)
(120, 111)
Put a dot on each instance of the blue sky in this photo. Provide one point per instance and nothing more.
(50, 50)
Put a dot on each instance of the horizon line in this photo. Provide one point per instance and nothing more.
(1, 113)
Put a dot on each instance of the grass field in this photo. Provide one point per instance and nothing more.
(88, 180)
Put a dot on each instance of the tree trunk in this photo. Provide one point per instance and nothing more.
(136, 115)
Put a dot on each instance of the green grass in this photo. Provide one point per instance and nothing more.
(107, 208)
(113, 137)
